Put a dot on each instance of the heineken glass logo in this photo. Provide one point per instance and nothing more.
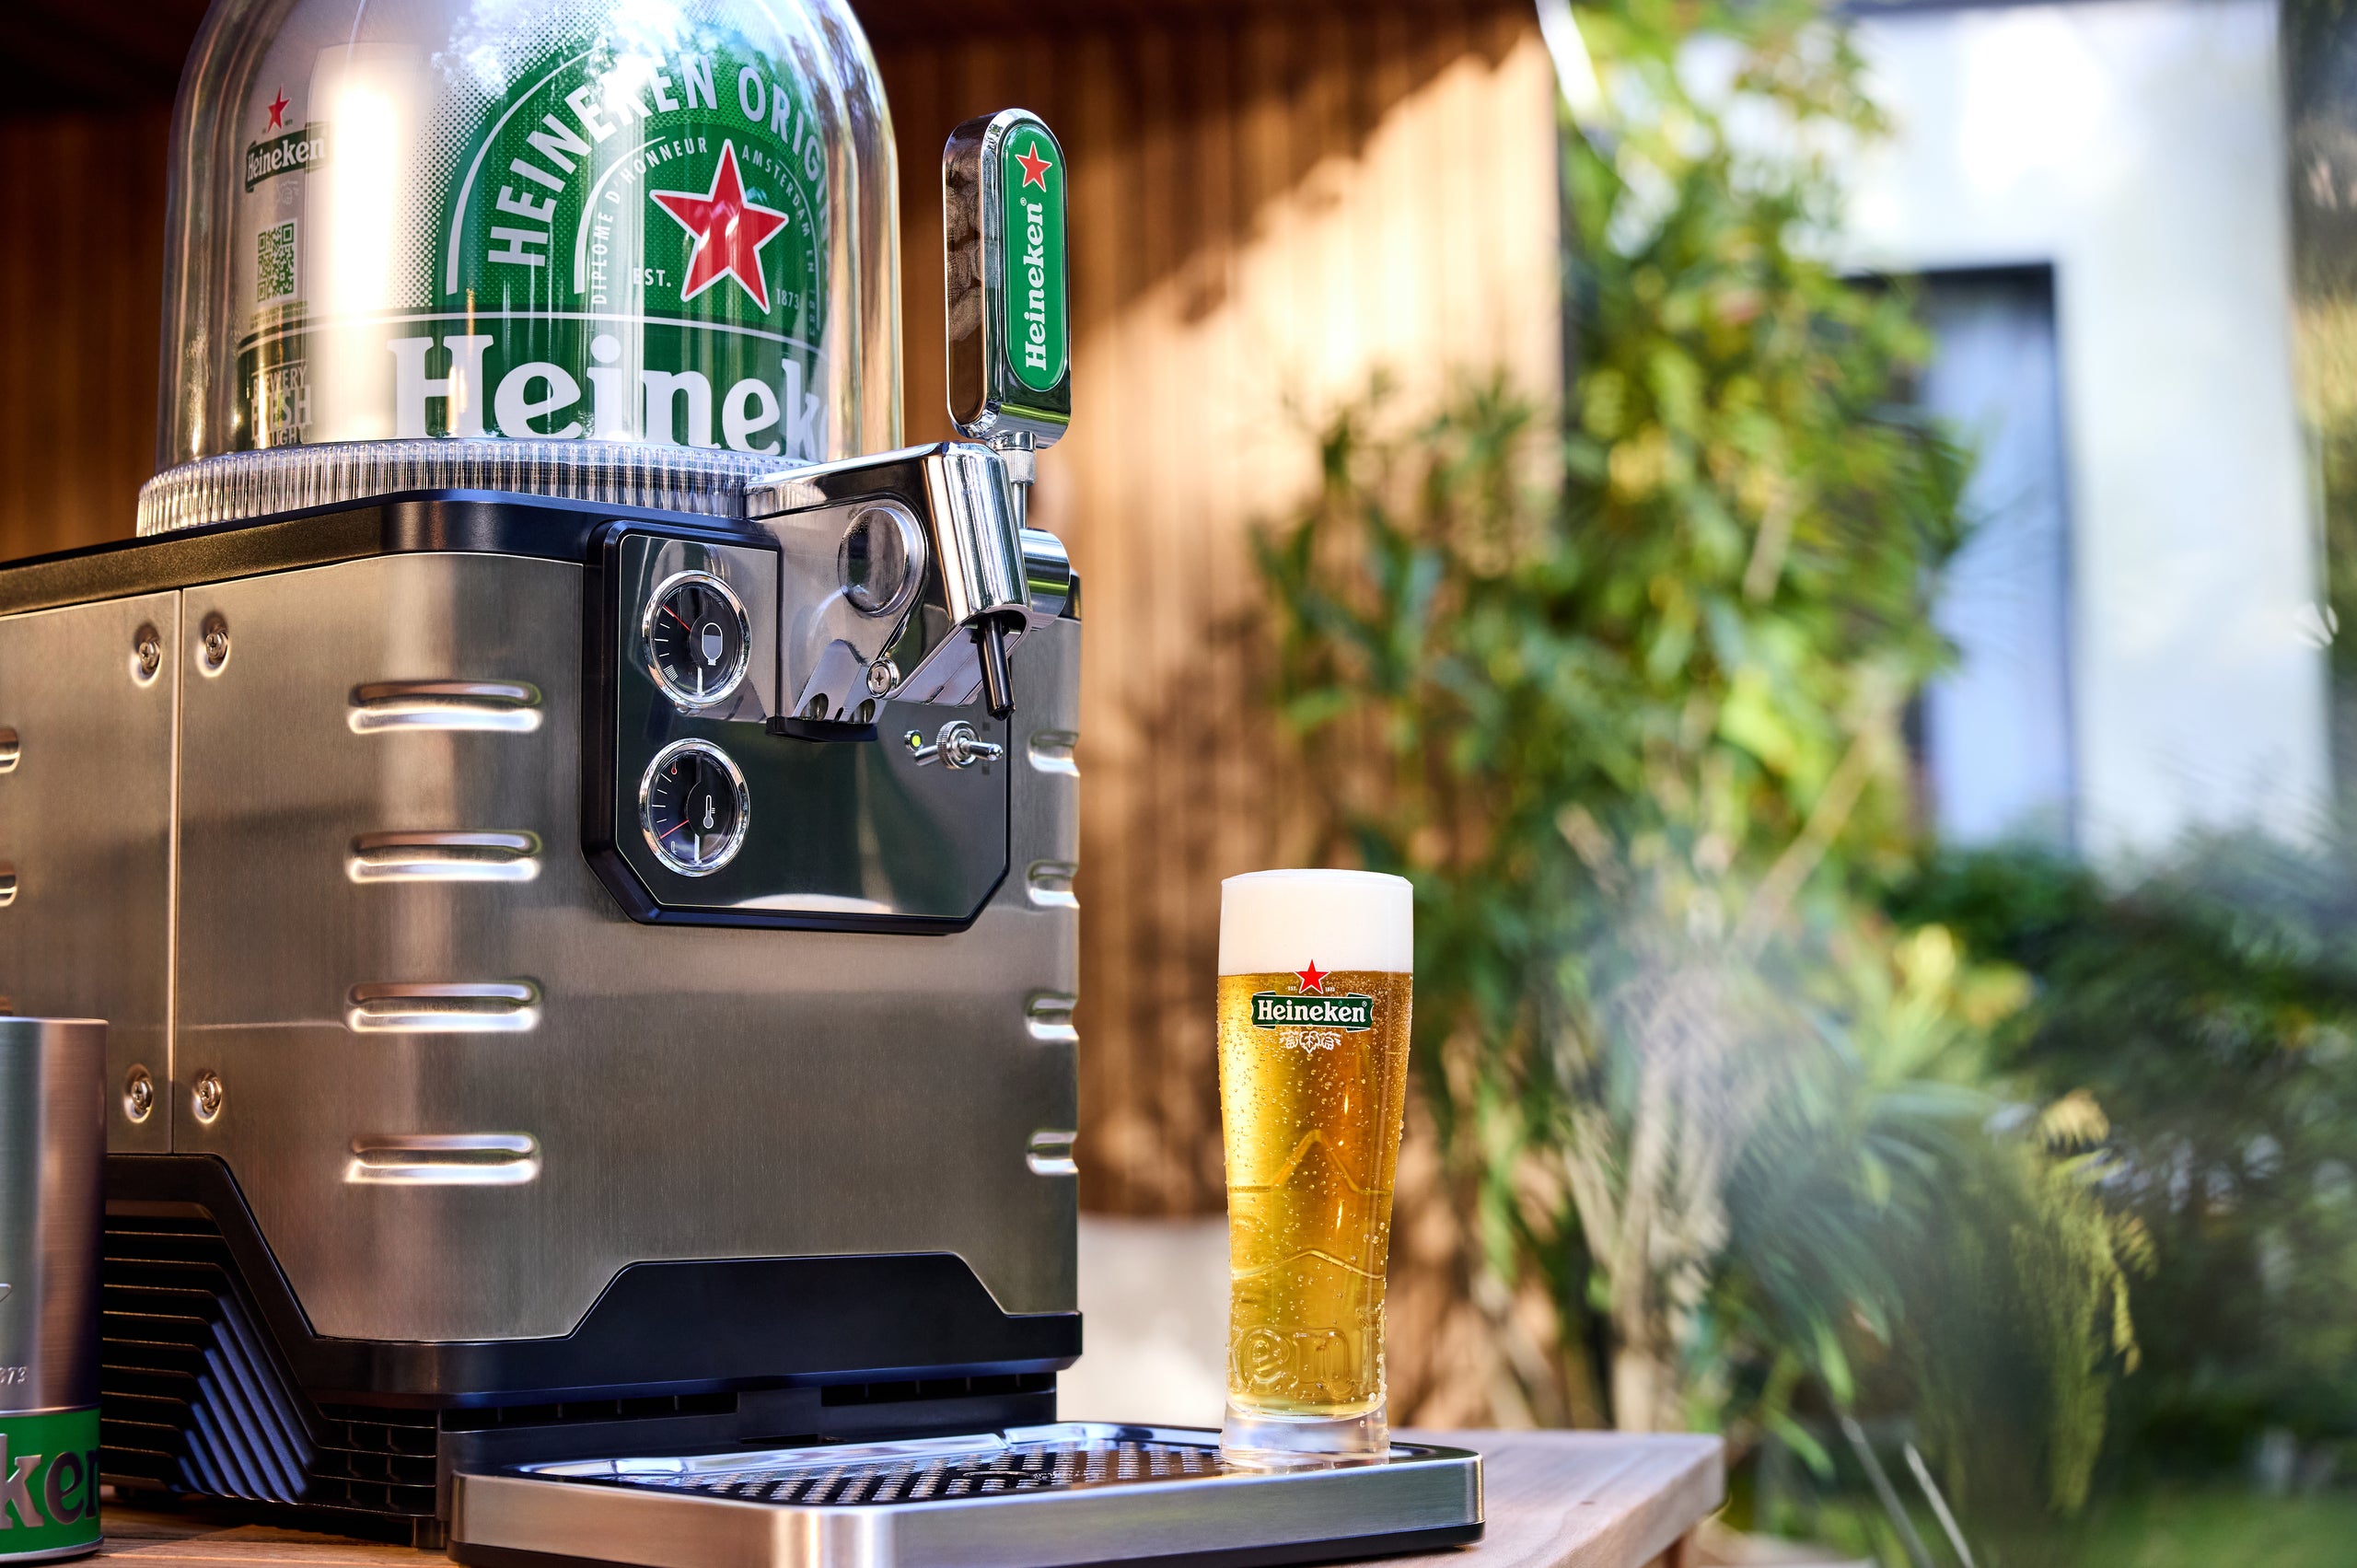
(1039, 336)
(1275, 1010)
(1310, 1007)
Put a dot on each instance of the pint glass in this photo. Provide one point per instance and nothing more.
(1315, 971)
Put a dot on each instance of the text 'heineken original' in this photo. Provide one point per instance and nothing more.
(549, 220)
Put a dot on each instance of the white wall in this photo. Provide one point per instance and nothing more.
(2136, 145)
(1154, 1323)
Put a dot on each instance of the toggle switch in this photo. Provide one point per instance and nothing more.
(955, 746)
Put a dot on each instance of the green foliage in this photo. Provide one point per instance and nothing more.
(2211, 1008)
(1624, 697)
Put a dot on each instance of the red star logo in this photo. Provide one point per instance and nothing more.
(728, 230)
(277, 112)
(1313, 979)
(1035, 167)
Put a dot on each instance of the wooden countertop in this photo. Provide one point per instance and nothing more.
(1554, 1500)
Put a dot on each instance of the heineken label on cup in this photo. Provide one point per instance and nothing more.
(594, 239)
(48, 1484)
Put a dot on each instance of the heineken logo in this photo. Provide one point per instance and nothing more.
(1310, 1007)
(727, 229)
(1032, 178)
(49, 1481)
(290, 152)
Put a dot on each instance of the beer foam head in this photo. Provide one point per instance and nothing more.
(1275, 921)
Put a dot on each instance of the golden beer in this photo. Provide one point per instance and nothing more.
(1313, 1065)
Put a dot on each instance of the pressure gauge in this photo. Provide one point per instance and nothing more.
(694, 807)
(698, 639)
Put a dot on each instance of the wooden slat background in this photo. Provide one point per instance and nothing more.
(1269, 203)
(81, 298)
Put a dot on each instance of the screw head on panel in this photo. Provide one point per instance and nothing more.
(138, 1094)
(213, 643)
(147, 654)
(208, 1094)
(882, 676)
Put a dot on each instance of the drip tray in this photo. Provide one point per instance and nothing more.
(1072, 1495)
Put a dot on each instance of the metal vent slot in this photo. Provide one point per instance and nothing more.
(192, 1399)
(444, 1159)
(430, 1008)
(512, 707)
(444, 857)
(11, 749)
(7, 885)
(1049, 1016)
(1051, 752)
(1050, 883)
(1051, 1154)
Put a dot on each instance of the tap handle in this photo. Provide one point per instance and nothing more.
(1009, 299)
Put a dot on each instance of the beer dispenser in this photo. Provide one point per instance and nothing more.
(572, 825)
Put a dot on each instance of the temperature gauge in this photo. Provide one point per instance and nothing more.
(698, 641)
(694, 807)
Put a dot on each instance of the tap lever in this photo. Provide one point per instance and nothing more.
(990, 643)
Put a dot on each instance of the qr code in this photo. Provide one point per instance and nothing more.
(274, 255)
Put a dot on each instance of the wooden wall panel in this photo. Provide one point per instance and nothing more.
(81, 290)
(1266, 210)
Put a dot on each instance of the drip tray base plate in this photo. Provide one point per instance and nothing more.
(1072, 1495)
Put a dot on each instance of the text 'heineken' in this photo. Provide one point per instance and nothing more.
(551, 220)
(1315, 994)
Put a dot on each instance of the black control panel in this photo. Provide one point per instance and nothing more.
(704, 803)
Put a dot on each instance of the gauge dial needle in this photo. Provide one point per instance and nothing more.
(675, 615)
(672, 829)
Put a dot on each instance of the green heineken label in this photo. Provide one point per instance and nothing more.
(49, 1482)
(290, 152)
(1031, 181)
(1279, 1010)
(615, 229)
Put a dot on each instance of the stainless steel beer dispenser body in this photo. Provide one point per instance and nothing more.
(537, 1029)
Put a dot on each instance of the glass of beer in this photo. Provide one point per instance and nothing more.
(1315, 973)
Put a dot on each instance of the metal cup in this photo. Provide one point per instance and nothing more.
(52, 1149)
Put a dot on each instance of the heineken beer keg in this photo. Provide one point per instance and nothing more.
(52, 1144)
(547, 222)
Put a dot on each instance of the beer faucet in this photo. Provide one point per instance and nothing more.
(1008, 317)
(907, 575)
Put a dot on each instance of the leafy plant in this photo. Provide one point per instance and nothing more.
(2212, 1006)
(1625, 698)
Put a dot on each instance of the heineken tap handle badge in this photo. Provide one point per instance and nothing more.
(1003, 184)
(1008, 310)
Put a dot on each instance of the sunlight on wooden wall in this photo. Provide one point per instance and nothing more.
(81, 290)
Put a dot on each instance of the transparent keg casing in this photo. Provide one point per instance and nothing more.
(479, 221)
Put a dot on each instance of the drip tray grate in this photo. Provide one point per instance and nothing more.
(1055, 1465)
(1044, 1497)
